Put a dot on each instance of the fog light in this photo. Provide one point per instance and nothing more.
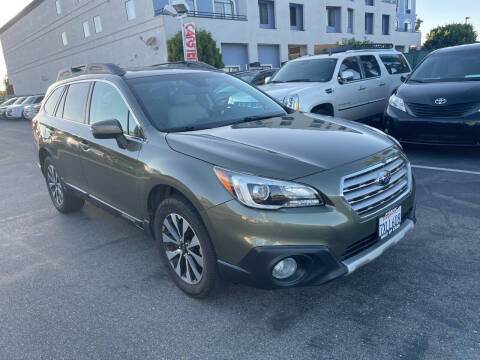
(284, 268)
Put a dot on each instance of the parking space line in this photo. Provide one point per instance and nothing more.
(446, 169)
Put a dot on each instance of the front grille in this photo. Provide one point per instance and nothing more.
(442, 111)
(364, 193)
(359, 246)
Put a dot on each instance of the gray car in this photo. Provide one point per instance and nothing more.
(231, 184)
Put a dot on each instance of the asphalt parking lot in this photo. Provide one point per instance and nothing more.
(91, 285)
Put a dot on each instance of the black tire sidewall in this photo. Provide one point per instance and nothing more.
(209, 276)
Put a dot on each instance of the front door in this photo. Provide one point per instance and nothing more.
(351, 96)
(113, 174)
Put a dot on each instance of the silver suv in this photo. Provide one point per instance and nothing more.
(346, 82)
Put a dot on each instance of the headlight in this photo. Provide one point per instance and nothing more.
(397, 103)
(263, 193)
(291, 102)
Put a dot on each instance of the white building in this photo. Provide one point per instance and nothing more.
(49, 35)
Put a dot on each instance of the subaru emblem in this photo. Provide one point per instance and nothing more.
(440, 101)
(384, 178)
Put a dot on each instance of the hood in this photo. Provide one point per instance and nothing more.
(287, 147)
(454, 92)
(280, 90)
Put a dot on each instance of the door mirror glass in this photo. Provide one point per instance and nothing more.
(346, 76)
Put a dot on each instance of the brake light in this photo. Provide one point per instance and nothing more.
(34, 124)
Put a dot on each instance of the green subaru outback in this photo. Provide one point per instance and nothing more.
(230, 184)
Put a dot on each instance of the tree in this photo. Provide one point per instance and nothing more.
(418, 24)
(8, 87)
(353, 42)
(206, 48)
(450, 35)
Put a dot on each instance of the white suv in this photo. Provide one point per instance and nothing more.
(351, 84)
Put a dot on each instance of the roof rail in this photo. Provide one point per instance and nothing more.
(345, 48)
(99, 68)
(185, 64)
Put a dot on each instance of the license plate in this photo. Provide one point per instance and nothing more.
(390, 222)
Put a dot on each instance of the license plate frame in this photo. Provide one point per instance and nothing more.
(390, 222)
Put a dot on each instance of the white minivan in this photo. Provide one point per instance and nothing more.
(354, 84)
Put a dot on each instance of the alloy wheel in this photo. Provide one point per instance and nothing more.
(183, 250)
(55, 185)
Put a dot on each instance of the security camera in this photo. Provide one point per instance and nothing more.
(180, 6)
(170, 10)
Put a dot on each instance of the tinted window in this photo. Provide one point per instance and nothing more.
(52, 101)
(320, 70)
(351, 64)
(201, 100)
(61, 106)
(133, 128)
(461, 66)
(107, 104)
(19, 100)
(38, 100)
(75, 102)
(370, 66)
(395, 64)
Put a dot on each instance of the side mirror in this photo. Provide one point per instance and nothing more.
(267, 79)
(110, 129)
(346, 76)
(403, 78)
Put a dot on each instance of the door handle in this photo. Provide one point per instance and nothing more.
(382, 84)
(84, 146)
(361, 88)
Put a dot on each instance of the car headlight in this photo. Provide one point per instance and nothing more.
(291, 102)
(397, 103)
(263, 193)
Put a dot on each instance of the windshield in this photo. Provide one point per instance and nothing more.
(192, 101)
(448, 67)
(19, 100)
(29, 100)
(8, 102)
(319, 70)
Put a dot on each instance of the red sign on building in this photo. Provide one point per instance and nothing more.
(189, 42)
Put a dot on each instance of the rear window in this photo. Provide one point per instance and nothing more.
(76, 101)
(52, 100)
(395, 64)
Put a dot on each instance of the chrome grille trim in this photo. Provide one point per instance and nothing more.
(366, 197)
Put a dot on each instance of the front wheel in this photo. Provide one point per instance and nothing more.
(185, 247)
(61, 198)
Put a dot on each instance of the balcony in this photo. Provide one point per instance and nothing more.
(209, 15)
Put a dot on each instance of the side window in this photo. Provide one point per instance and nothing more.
(370, 66)
(395, 64)
(133, 128)
(75, 102)
(107, 104)
(53, 100)
(351, 64)
(39, 100)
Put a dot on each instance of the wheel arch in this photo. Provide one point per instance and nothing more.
(42, 155)
(323, 109)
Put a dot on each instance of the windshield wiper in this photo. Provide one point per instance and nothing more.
(417, 81)
(275, 82)
(256, 118)
(299, 80)
(182, 129)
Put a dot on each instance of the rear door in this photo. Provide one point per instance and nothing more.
(376, 83)
(351, 94)
(396, 65)
(70, 129)
(113, 174)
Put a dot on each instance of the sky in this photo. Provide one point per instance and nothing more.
(432, 12)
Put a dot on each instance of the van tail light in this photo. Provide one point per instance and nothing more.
(34, 124)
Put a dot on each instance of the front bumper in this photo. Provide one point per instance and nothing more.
(316, 264)
(406, 128)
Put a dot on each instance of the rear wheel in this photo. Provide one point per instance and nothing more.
(62, 199)
(185, 247)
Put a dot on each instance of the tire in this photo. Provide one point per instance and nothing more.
(63, 200)
(188, 256)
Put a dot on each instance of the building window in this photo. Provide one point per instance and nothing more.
(407, 26)
(369, 2)
(408, 6)
(386, 24)
(58, 6)
(64, 38)
(130, 6)
(97, 22)
(86, 29)
(369, 23)
(267, 14)
(296, 17)
(191, 5)
(334, 19)
(350, 21)
(224, 7)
